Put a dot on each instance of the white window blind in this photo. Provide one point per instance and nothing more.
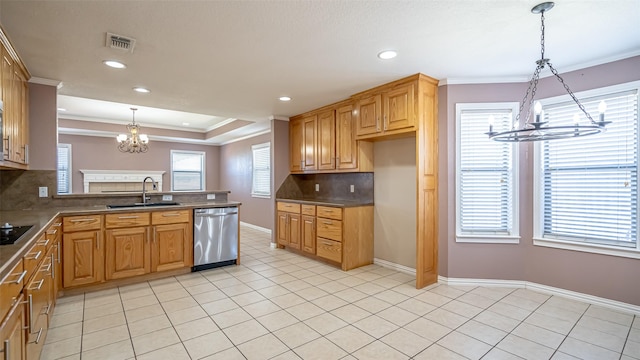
(261, 184)
(486, 185)
(64, 169)
(187, 170)
(589, 185)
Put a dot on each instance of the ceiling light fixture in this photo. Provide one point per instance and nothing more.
(141, 90)
(135, 142)
(538, 129)
(387, 54)
(114, 64)
(284, 98)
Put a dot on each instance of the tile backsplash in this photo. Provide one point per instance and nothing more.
(330, 187)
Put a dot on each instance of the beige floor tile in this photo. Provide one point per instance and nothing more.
(63, 319)
(497, 321)
(332, 287)
(465, 345)
(509, 310)
(104, 337)
(229, 354)
(219, 306)
(415, 306)
(320, 349)
(350, 338)
(468, 310)
(247, 298)
(476, 300)
(143, 312)
(311, 293)
(296, 285)
(178, 304)
(428, 329)
(521, 302)
(325, 323)
(69, 298)
(329, 302)
(132, 293)
(138, 302)
(201, 288)
(378, 350)
(550, 323)
(375, 326)
(103, 322)
(261, 308)
(121, 350)
(296, 334)
(167, 286)
(482, 332)
(245, 331)
(350, 313)
(524, 348)
(604, 326)
(186, 315)
(102, 300)
(632, 349)
(406, 342)
(260, 284)
(100, 293)
(230, 318)
(289, 355)
(155, 340)
(64, 332)
(497, 354)
(208, 344)
(304, 311)
(149, 325)
(287, 300)
(69, 307)
(236, 290)
(196, 328)
(209, 296)
(397, 315)
(350, 295)
(446, 318)
(172, 295)
(539, 335)
(598, 338)
(436, 351)
(264, 347)
(277, 320)
(61, 349)
(370, 288)
(171, 352)
(436, 299)
(273, 291)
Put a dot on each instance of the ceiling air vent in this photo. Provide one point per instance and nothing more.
(120, 42)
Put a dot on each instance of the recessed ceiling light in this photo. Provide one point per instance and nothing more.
(387, 54)
(284, 98)
(114, 64)
(141, 90)
(62, 109)
(185, 124)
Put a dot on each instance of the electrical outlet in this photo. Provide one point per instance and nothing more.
(352, 188)
(43, 191)
(317, 187)
(167, 197)
(211, 196)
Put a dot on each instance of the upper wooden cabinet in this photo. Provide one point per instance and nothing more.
(387, 111)
(324, 141)
(15, 107)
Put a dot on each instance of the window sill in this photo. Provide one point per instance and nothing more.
(590, 248)
(488, 239)
(261, 196)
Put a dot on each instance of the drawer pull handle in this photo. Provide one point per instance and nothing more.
(172, 214)
(36, 288)
(19, 279)
(327, 222)
(38, 337)
(52, 231)
(30, 304)
(34, 257)
(46, 312)
(83, 220)
(327, 243)
(128, 217)
(58, 224)
(47, 268)
(7, 356)
(43, 242)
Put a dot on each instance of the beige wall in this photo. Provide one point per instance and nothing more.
(43, 126)
(101, 153)
(394, 186)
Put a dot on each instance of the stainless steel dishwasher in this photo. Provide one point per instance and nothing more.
(215, 237)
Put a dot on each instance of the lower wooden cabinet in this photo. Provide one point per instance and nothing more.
(172, 247)
(308, 234)
(12, 333)
(127, 252)
(289, 229)
(83, 258)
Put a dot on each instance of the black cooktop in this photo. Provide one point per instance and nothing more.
(10, 236)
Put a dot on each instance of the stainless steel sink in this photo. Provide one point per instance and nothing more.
(135, 205)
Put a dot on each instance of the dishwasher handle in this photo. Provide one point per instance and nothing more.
(215, 215)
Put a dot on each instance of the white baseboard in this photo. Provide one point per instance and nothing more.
(595, 300)
(256, 227)
(394, 266)
(273, 245)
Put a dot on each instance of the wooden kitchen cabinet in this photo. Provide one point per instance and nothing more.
(39, 296)
(295, 145)
(326, 145)
(83, 250)
(172, 246)
(54, 234)
(309, 143)
(288, 229)
(12, 333)
(127, 245)
(388, 111)
(308, 234)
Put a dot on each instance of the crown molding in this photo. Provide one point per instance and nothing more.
(43, 81)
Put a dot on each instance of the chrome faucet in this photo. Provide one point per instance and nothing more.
(144, 190)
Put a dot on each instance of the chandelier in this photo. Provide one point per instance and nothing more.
(537, 129)
(134, 142)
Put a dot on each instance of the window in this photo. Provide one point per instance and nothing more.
(487, 188)
(187, 170)
(587, 187)
(261, 184)
(64, 169)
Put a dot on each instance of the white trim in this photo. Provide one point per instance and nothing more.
(488, 239)
(119, 176)
(43, 81)
(256, 227)
(586, 247)
(246, 137)
(203, 167)
(394, 266)
(489, 80)
(590, 299)
(278, 117)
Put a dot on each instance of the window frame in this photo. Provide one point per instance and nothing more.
(202, 169)
(69, 169)
(253, 170)
(482, 236)
(538, 190)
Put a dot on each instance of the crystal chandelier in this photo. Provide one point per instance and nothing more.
(537, 129)
(135, 142)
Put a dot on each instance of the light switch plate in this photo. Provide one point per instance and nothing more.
(211, 196)
(167, 197)
(43, 191)
(317, 187)
(352, 188)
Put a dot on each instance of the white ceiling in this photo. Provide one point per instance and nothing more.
(208, 62)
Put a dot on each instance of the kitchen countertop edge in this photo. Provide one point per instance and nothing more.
(323, 202)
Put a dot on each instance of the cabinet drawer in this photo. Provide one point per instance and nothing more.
(309, 210)
(81, 223)
(10, 287)
(170, 217)
(289, 207)
(329, 212)
(330, 229)
(35, 255)
(126, 219)
(329, 249)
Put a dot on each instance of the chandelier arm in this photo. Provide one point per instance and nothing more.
(566, 87)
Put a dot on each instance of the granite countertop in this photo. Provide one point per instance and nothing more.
(329, 202)
(42, 219)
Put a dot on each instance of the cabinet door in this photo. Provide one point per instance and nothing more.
(12, 333)
(326, 140)
(127, 252)
(294, 231)
(368, 117)
(295, 145)
(21, 118)
(309, 144)
(346, 150)
(309, 234)
(399, 110)
(171, 248)
(282, 230)
(7, 99)
(83, 258)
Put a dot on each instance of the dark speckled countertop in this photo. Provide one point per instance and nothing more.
(329, 202)
(42, 219)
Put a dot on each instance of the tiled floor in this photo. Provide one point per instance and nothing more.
(279, 305)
